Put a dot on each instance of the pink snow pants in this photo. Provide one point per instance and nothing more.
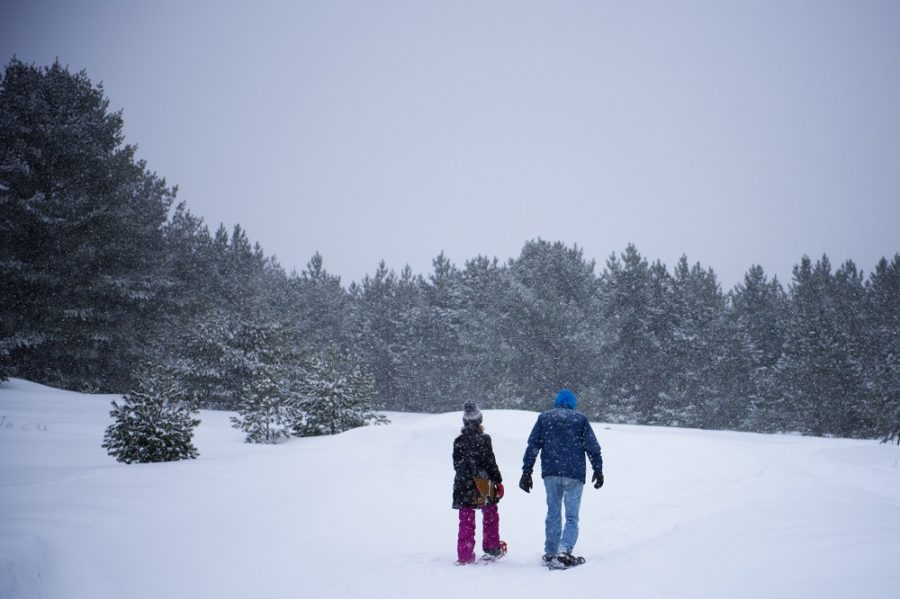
(465, 542)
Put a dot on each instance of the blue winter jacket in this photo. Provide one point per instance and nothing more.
(562, 436)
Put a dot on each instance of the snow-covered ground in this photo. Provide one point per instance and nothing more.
(684, 513)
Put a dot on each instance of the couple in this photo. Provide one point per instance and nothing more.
(562, 436)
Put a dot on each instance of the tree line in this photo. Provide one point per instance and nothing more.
(104, 279)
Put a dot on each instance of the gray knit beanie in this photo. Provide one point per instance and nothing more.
(471, 414)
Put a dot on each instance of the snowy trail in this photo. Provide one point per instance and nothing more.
(684, 513)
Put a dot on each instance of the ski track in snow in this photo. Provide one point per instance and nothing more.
(683, 513)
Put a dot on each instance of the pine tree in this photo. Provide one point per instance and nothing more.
(260, 365)
(894, 430)
(820, 372)
(153, 423)
(440, 367)
(204, 359)
(80, 232)
(852, 400)
(696, 347)
(221, 310)
(190, 268)
(552, 289)
(337, 395)
(486, 357)
(388, 316)
(637, 331)
(756, 329)
(318, 307)
(5, 366)
(882, 346)
(265, 411)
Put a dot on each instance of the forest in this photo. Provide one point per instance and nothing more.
(104, 276)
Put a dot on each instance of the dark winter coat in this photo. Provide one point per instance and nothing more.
(473, 457)
(562, 436)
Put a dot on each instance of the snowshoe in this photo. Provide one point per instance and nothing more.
(562, 561)
(492, 555)
(569, 560)
(553, 563)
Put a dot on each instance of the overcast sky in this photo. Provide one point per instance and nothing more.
(737, 133)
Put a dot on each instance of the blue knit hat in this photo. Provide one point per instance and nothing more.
(565, 399)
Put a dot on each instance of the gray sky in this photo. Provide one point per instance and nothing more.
(737, 133)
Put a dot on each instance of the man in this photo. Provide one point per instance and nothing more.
(562, 436)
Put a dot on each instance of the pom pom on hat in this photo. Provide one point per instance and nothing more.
(471, 413)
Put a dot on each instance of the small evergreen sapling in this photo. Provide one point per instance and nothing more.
(265, 409)
(894, 433)
(258, 353)
(337, 396)
(4, 361)
(152, 424)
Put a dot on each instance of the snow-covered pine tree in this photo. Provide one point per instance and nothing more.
(222, 285)
(199, 358)
(697, 317)
(883, 344)
(80, 232)
(894, 431)
(194, 287)
(153, 423)
(635, 299)
(264, 413)
(5, 366)
(317, 307)
(553, 287)
(267, 387)
(407, 336)
(337, 396)
(486, 359)
(756, 328)
(440, 364)
(852, 415)
(820, 372)
(388, 313)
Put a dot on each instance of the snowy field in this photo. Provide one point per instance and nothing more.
(684, 513)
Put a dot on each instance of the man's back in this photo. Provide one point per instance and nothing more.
(562, 436)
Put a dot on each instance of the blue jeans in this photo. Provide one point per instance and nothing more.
(561, 491)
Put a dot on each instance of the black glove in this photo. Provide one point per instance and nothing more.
(597, 479)
(525, 482)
